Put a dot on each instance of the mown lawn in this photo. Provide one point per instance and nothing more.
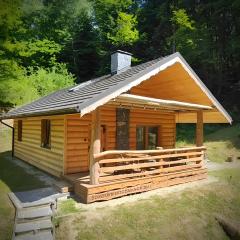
(186, 215)
(224, 143)
(190, 214)
(12, 179)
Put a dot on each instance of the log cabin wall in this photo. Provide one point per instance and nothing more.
(70, 138)
(77, 138)
(30, 150)
(78, 134)
(164, 121)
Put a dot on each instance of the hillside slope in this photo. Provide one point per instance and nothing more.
(223, 143)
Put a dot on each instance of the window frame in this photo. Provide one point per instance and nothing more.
(19, 135)
(146, 135)
(46, 133)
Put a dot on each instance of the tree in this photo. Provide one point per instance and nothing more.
(125, 33)
(25, 57)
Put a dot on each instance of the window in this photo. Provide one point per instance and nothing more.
(146, 137)
(45, 133)
(152, 136)
(140, 138)
(20, 130)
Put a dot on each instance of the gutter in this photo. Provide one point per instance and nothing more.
(12, 135)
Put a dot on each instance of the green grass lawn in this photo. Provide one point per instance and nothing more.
(5, 139)
(12, 178)
(223, 143)
(186, 215)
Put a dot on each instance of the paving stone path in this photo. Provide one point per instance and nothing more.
(34, 213)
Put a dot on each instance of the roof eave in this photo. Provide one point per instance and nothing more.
(106, 96)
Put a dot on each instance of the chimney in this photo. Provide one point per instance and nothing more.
(120, 61)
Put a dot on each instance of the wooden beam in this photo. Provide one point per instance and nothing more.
(95, 147)
(199, 129)
(111, 152)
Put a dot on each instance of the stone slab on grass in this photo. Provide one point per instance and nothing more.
(34, 212)
(37, 197)
(45, 224)
(43, 235)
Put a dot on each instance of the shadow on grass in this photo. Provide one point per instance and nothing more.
(15, 177)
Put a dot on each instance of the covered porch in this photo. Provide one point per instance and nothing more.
(115, 173)
(120, 173)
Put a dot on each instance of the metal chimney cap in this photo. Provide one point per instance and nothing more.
(123, 52)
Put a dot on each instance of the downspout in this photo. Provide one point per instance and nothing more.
(12, 135)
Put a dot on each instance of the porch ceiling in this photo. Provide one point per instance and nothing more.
(156, 103)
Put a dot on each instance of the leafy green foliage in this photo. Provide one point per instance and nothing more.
(38, 35)
(49, 80)
(125, 33)
(182, 39)
(26, 86)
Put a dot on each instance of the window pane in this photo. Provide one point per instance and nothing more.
(19, 130)
(45, 133)
(48, 130)
(140, 138)
(152, 137)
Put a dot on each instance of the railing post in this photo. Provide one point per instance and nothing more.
(95, 147)
(199, 129)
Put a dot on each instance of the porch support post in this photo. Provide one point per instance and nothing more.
(95, 146)
(199, 129)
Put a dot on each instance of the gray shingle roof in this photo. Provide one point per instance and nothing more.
(85, 97)
(70, 99)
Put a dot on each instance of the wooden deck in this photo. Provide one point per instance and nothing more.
(139, 171)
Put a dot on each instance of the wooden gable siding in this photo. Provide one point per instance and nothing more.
(30, 150)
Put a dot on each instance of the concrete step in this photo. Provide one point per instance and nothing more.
(34, 212)
(42, 235)
(35, 225)
(37, 197)
(32, 198)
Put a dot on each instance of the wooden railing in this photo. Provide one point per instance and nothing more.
(120, 165)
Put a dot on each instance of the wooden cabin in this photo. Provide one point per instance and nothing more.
(115, 135)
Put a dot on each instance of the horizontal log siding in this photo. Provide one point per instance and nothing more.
(30, 150)
(108, 118)
(76, 143)
(78, 138)
(165, 121)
